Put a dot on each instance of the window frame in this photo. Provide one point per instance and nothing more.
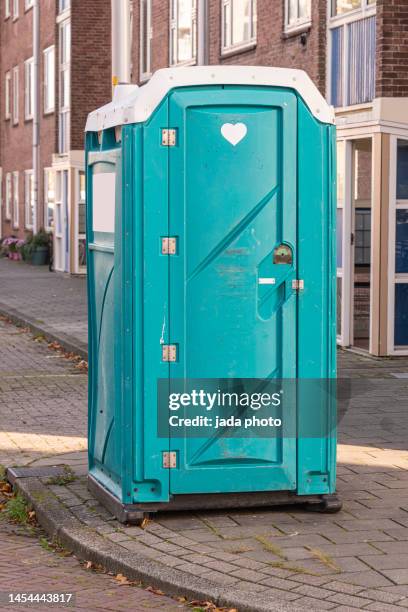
(228, 47)
(8, 195)
(64, 111)
(7, 9)
(7, 95)
(15, 107)
(394, 277)
(16, 9)
(28, 199)
(29, 89)
(47, 171)
(173, 27)
(16, 199)
(47, 81)
(343, 21)
(301, 24)
(28, 4)
(62, 8)
(146, 53)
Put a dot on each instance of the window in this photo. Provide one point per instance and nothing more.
(297, 14)
(64, 85)
(6, 9)
(8, 196)
(15, 95)
(28, 4)
(15, 9)
(29, 88)
(15, 200)
(146, 35)
(29, 199)
(49, 198)
(7, 95)
(64, 5)
(340, 7)
(49, 80)
(183, 32)
(238, 23)
(352, 61)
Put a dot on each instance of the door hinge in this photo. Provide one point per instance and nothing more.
(169, 245)
(298, 285)
(169, 459)
(168, 137)
(169, 352)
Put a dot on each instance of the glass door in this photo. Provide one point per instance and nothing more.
(398, 319)
(343, 242)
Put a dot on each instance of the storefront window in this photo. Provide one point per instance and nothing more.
(401, 314)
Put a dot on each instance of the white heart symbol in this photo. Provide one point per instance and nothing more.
(234, 132)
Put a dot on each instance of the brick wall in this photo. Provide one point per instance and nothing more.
(272, 47)
(16, 140)
(392, 48)
(90, 62)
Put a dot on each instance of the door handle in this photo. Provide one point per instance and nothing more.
(266, 281)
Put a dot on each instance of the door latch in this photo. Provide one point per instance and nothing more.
(298, 285)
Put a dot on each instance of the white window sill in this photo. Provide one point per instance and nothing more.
(353, 108)
(7, 218)
(236, 49)
(6, 17)
(15, 123)
(191, 62)
(298, 28)
(28, 8)
(50, 111)
(7, 118)
(29, 227)
(28, 119)
(15, 19)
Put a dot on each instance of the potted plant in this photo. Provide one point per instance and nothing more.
(13, 254)
(40, 248)
(27, 248)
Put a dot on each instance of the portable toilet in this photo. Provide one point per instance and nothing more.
(211, 257)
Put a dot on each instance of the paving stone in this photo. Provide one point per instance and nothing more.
(314, 604)
(399, 576)
(349, 600)
(249, 575)
(383, 607)
(379, 595)
(368, 578)
(386, 561)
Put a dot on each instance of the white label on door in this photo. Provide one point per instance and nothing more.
(103, 214)
(234, 132)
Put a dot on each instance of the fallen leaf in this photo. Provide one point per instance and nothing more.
(144, 523)
(31, 514)
(153, 590)
(88, 565)
(123, 580)
(5, 487)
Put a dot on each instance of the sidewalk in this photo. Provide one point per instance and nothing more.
(356, 559)
(50, 303)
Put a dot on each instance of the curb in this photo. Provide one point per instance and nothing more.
(88, 545)
(66, 342)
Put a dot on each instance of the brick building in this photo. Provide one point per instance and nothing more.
(74, 77)
(356, 51)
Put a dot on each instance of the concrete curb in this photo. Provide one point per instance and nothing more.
(88, 545)
(66, 342)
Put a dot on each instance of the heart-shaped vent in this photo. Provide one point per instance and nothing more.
(234, 132)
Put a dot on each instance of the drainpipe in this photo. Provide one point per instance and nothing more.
(120, 41)
(36, 111)
(202, 19)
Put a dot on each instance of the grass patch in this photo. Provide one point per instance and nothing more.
(63, 479)
(16, 510)
(270, 547)
(325, 559)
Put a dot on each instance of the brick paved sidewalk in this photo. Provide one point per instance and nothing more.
(27, 566)
(51, 302)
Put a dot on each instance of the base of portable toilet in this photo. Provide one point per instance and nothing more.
(134, 514)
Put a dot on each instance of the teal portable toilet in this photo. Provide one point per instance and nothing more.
(211, 235)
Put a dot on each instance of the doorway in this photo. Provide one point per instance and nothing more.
(361, 242)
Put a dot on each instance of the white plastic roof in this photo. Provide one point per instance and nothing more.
(133, 104)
